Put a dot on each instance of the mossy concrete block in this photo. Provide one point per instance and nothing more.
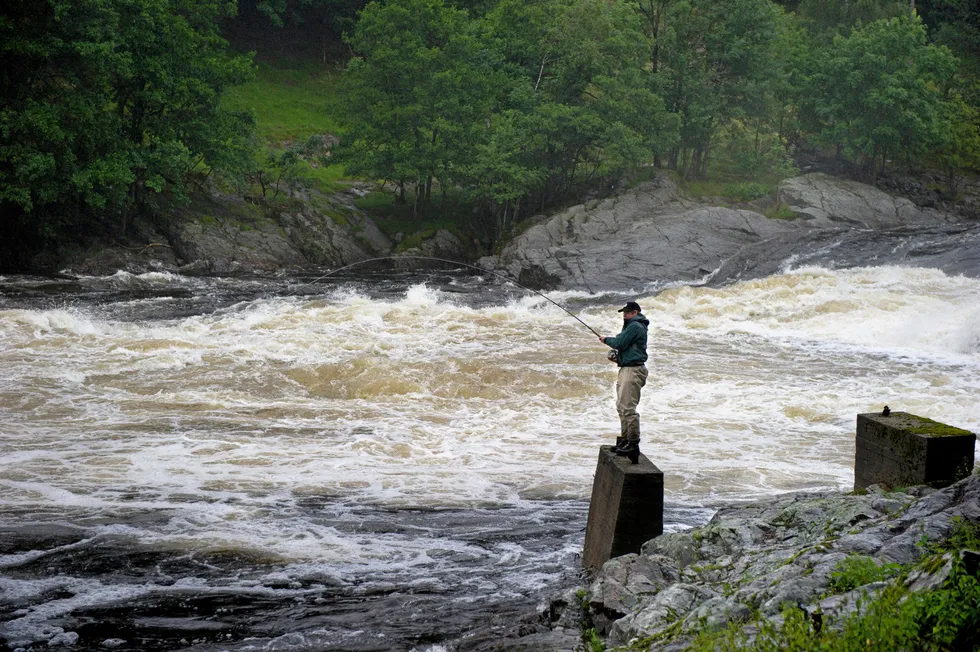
(627, 508)
(902, 450)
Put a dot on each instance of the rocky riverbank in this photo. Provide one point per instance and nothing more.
(226, 235)
(822, 554)
(654, 234)
(639, 239)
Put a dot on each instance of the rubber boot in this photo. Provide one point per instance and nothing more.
(629, 449)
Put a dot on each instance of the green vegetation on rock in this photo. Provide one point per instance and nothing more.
(858, 570)
(930, 428)
(896, 618)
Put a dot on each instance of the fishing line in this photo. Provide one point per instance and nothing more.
(452, 262)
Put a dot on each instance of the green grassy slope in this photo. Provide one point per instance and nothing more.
(291, 100)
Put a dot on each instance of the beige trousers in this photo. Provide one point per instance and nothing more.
(628, 385)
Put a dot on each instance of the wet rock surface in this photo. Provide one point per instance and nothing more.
(652, 234)
(69, 587)
(641, 238)
(826, 201)
(759, 557)
(784, 551)
(646, 234)
(225, 235)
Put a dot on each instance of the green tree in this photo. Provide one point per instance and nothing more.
(878, 92)
(958, 148)
(578, 106)
(956, 24)
(716, 65)
(301, 28)
(841, 17)
(107, 104)
(515, 109)
(417, 95)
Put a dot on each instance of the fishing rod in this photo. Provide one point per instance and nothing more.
(452, 262)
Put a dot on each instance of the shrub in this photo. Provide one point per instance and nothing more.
(783, 212)
(965, 534)
(592, 642)
(947, 618)
(746, 190)
(858, 570)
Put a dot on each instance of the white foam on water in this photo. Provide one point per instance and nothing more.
(896, 310)
(229, 420)
(123, 279)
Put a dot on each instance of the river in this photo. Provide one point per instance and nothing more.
(383, 461)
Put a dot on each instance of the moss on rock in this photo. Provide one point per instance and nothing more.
(929, 428)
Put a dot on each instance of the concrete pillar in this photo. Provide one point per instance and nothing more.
(902, 450)
(627, 508)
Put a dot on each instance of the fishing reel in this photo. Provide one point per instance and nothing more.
(613, 356)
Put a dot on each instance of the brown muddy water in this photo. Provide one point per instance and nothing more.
(383, 462)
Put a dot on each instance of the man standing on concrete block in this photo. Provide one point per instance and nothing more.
(631, 356)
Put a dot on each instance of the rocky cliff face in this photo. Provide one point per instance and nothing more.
(652, 234)
(225, 235)
(311, 229)
(765, 556)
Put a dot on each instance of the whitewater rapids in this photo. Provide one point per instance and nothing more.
(215, 433)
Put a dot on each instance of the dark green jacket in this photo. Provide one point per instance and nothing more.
(631, 343)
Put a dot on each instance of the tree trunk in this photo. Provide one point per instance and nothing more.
(874, 166)
(704, 159)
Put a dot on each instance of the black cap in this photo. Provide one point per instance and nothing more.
(630, 306)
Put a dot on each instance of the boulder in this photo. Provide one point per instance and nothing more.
(443, 244)
(652, 234)
(825, 201)
(645, 235)
(626, 580)
(660, 611)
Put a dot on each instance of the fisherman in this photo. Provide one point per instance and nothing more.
(631, 354)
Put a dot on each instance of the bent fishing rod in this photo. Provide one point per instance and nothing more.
(452, 262)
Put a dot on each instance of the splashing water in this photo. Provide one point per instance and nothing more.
(361, 443)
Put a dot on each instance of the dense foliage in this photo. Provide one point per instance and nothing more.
(107, 104)
(513, 108)
(516, 104)
(507, 106)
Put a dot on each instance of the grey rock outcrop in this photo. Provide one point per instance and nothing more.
(443, 244)
(760, 557)
(826, 202)
(220, 234)
(652, 234)
(228, 235)
(646, 234)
